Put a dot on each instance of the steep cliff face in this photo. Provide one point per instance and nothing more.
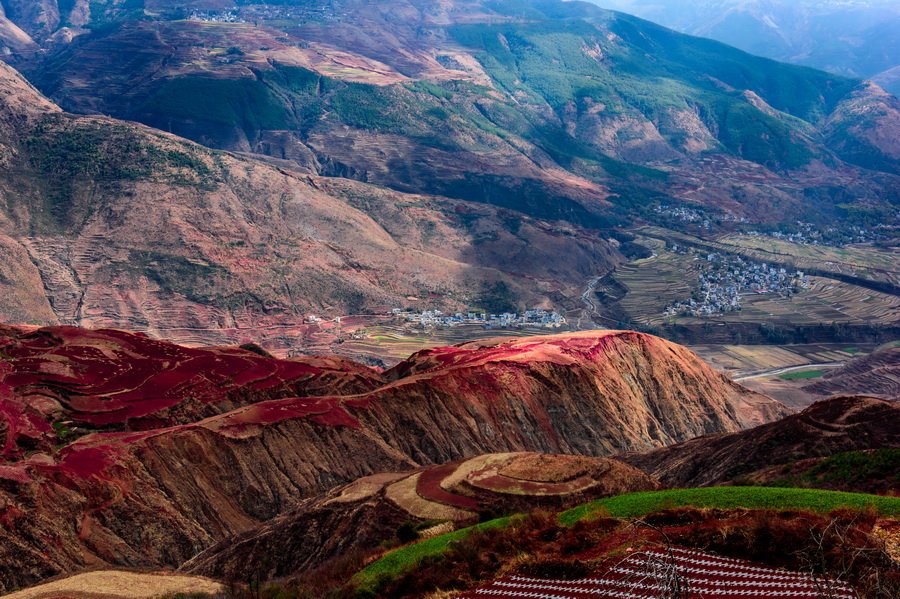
(825, 428)
(159, 496)
(362, 515)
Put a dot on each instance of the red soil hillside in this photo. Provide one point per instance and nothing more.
(156, 497)
(825, 428)
(362, 515)
(112, 379)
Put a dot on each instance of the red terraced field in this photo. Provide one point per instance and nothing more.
(429, 487)
(136, 440)
(656, 573)
(111, 379)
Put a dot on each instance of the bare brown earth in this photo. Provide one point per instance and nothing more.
(364, 514)
(877, 374)
(154, 497)
(825, 428)
(104, 223)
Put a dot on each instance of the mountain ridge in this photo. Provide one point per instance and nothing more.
(236, 243)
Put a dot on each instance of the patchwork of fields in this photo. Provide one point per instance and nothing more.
(647, 286)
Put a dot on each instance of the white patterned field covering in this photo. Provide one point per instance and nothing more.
(672, 572)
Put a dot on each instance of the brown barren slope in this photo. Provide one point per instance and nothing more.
(877, 375)
(825, 428)
(111, 224)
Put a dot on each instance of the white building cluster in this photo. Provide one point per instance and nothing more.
(536, 317)
(726, 278)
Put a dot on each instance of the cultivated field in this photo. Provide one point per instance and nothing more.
(392, 343)
(781, 371)
(740, 361)
(636, 505)
(866, 260)
(654, 283)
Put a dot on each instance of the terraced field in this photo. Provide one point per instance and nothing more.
(739, 361)
(654, 283)
(391, 343)
(428, 503)
(865, 260)
(825, 301)
(458, 491)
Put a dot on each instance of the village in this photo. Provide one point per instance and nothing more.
(686, 214)
(726, 278)
(536, 317)
(263, 12)
(810, 234)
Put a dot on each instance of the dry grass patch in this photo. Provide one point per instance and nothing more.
(114, 584)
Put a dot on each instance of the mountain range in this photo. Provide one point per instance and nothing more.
(856, 39)
(270, 276)
(341, 174)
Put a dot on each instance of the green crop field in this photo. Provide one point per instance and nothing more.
(407, 557)
(801, 375)
(635, 505)
(850, 470)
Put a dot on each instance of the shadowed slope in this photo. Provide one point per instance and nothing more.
(825, 428)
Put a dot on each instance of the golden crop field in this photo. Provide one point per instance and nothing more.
(743, 360)
(862, 256)
(654, 283)
(394, 343)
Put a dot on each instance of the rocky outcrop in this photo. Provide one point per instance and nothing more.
(159, 496)
(825, 428)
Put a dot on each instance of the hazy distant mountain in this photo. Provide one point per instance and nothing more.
(858, 38)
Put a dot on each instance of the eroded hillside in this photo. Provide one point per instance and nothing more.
(123, 450)
(106, 223)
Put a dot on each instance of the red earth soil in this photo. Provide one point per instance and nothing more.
(118, 449)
